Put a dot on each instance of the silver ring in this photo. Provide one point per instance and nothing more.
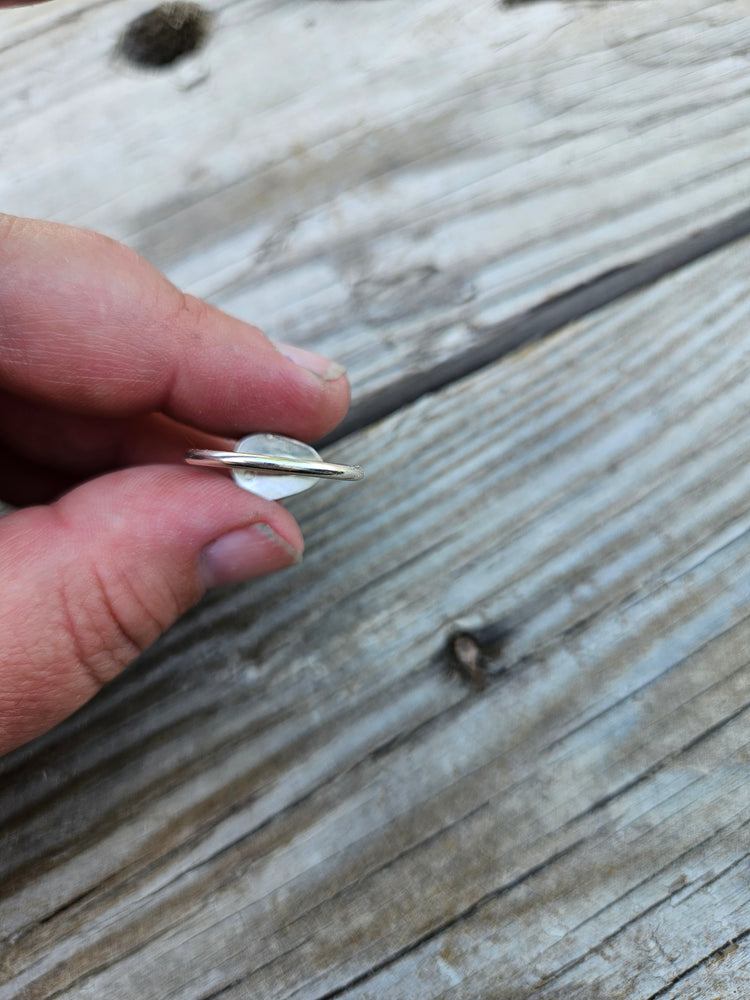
(273, 466)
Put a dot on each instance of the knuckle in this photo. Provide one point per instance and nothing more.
(190, 315)
(98, 645)
(108, 624)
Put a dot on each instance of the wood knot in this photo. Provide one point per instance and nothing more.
(162, 35)
(468, 658)
(470, 652)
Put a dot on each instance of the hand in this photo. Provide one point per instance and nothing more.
(108, 374)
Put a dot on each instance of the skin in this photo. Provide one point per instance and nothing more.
(108, 373)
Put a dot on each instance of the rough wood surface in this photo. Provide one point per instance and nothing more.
(297, 795)
(390, 182)
(301, 793)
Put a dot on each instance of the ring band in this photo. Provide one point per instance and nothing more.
(273, 464)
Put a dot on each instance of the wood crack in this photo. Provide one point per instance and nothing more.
(459, 918)
(401, 856)
(540, 322)
(672, 863)
(716, 953)
(652, 908)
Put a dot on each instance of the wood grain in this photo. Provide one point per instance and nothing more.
(391, 183)
(297, 795)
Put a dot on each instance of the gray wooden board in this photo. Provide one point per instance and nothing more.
(387, 182)
(295, 795)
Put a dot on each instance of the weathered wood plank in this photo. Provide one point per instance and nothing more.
(386, 182)
(294, 795)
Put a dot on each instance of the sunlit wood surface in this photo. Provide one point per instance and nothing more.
(523, 228)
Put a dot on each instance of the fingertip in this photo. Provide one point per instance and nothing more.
(318, 364)
(245, 553)
(331, 391)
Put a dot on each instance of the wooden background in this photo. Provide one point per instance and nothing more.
(523, 229)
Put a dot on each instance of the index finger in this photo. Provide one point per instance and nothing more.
(89, 326)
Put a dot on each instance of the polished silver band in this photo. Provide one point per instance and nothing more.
(272, 464)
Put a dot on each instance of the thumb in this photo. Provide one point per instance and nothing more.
(92, 580)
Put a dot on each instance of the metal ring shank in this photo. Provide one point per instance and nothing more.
(272, 464)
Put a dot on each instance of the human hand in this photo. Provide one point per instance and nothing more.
(108, 373)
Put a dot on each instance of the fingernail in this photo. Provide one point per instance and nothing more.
(324, 368)
(245, 553)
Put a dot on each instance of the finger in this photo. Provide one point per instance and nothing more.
(91, 581)
(85, 446)
(90, 326)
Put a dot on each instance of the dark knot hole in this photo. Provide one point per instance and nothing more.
(165, 34)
